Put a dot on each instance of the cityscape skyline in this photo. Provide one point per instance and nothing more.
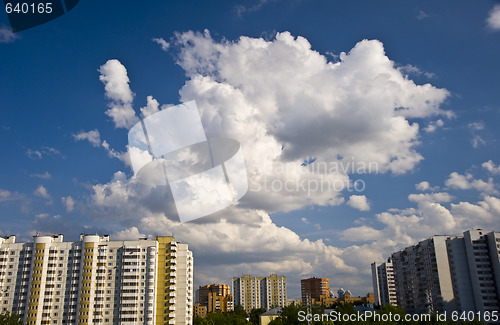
(365, 128)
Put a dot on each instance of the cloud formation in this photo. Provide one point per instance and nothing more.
(284, 102)
(358, 202)
(493, 20)
(164, 44)
(116, 83)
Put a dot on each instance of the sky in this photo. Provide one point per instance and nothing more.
(366, 126)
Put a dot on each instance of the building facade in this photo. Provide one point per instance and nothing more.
(96, 281)
(384, 285)
(449, 273)
(256, 292)
(313, 289)
(216, 298)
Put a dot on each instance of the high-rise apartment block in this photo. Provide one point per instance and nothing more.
(384, 285)
(255, 292)
(448, 273)
(216, 297)
(313, 289)
(97, 281)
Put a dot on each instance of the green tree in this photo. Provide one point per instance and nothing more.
(6, 318)
(255, 313)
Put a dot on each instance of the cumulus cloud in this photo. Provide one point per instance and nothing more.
(284, 102)
(491, 167)
(116, 82)
(68, 202)
(358, 202)
(131, 233)
(426, 186)
(164, 44)
(467, 181)
(359, 106)
(92, 136)
(151, 107)
(41, 191)
(6, 35)
(493, 20)
(433, 126)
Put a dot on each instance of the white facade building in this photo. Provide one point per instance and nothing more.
(384, 285)
(92, 281)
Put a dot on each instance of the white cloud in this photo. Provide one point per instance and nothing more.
(304, 220)
(477, 141)
(41, 191)
(115, 79)
(45, 175)
(494, 18)
(491, 167)
(164, 44)
(261, 90)
(128, 234)
(426, 186)
(40, 153)
(6, 35)
(467, 181)
(151, 107)
(358, 202)
(430, 197)
(92, 136)
(476, 126)
(68, 202)
(433, 126)
(357, 110)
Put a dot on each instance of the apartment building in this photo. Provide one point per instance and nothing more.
(423, 278)
(213, 298)
(255, 292)
(96, 281)
(313, 289)
(216, 297)
(384, 285)
(448, 273)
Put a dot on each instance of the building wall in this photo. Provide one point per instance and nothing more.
(255, 292)
(481, 267)
(423, 278)
(449, 273)
(92, 281)
(314, 288)
(384, 285)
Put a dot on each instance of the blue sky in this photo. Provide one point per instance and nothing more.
(50, 92)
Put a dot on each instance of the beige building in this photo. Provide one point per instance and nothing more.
(255, 292)
(216, 298)
(97, 281)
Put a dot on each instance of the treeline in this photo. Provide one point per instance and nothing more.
(342, 315)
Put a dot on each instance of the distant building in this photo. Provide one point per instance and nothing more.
(313, 289)
(384, 285)
(216, 298)
(255, 292)
(269, 316)
(200, 311)
(95, 280)
(326, 301)
(449, 273)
